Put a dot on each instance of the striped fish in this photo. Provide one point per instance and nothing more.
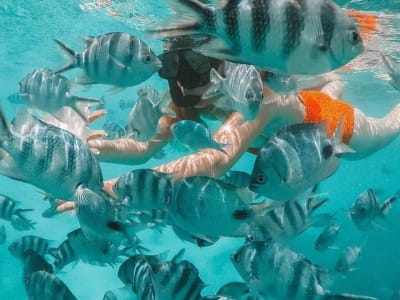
(8, 208)
(290, 36)
(30, 242)
(44, 90)
(143, 279)
(114, 58)
(194, 136)
(241, 90)
(327, 237)
(296, 158)
(46, 286)
(64, 255)
(142, 122)
(280, 221)
(33, 262)
(21, 223)
(272, 270)
(204, 206)
(48, 157)
(143, 189)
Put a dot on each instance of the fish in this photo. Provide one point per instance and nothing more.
(142, 123)
(113, 130)
(296, 158)
(327, 237)
(30, 242)
(8, 208)
(290, 36)
(347, 258)
(241, 180)
(35, 262)
(15, 98)
(116, 58)
(366, 210)
(22, 223)
(44, 285)
(281, 221)
(194, 136)
(241, 90)
(3, 234)
(143, 189)
(63, 255)
(44, 90)
(204, 206)
(99, 218)
(393, 69)
(273, 270)
(47, 157)
(234, 289)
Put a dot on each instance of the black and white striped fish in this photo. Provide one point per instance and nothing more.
(46, 286)
(48, 157)
(49, 92)
(280, 221)
(8, 208)
(241, 90)
(296, 158)
(204, 206)
(327, 237)
(290, 36)
(30, 242)
(366, 210)
(143, 189)
(114, 58)
(272, 270)
(142, 123)
(22, 223)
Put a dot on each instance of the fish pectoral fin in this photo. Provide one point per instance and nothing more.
(119, 63)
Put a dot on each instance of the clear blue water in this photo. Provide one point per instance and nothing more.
(27, 30)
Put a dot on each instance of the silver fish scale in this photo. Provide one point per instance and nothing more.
(54, 160)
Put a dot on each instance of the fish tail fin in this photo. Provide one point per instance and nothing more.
(331, 296)
(189, 17)
(314, 203)
(74, 58)
(5, 132)
(79, 104)
(216, 85)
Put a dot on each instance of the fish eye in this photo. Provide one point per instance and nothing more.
(354, 37)
(235, 257)
(147, 58)
(323, 47)
(327, 151)
(261, 179)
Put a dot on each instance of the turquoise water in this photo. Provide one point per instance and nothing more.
(27, 30)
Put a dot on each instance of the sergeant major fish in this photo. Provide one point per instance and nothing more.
(366, 210)
(272, 270)
(42, 89)
(296, 158)
(30, 242)
(8, 208)
(48, 157)
(115, 58)
(142, 122)
(290, 36)
(241, 90)
(194, 136)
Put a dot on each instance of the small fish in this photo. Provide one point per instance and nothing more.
(294, 37)
(21, 223)
(204, 206)
(3, 234)
(327, 237)
(233, 289)
(296, 158)
(113, 130)
(115, 58)
(48, 157)
(8, 208)
(43, 285)
(143, 189)
(393, 69)
(126, 104)
(44, 90)
(142, 122)
(30, 242)
(366, 210)
(35, 262)
(272, 270)
(194, 136)
(281, 221)
(241, 90)
(347, 258)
